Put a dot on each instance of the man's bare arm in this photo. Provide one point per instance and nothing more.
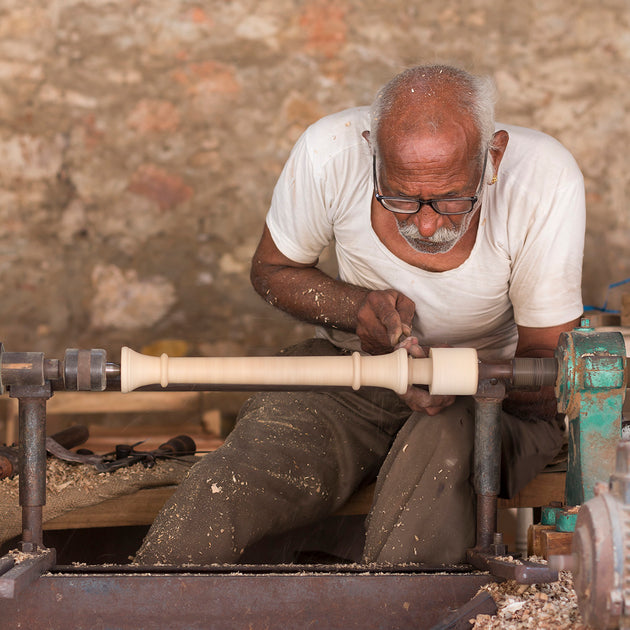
(379, 318)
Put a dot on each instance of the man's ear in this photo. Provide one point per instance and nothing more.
(497, 148)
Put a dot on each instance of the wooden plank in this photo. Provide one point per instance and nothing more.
(556, 543)
(359, 503)
(104, 439)
(546, 488)
(139, 508)
(218, 423)
(598, 318)
(534, 539)
(543, 490)
(117, 402)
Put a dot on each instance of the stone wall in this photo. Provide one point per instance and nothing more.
(140, 141)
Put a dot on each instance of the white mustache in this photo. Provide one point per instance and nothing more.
(440, 242)
(441, 235)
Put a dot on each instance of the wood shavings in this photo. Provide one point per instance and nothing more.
(510, 559)
(61, 475)
(20, 556)
(552, 606)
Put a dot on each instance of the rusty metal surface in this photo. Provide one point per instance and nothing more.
(593, 549)
(17, 577)
(591, 388)
(522, 571)
(480, 604)
(534, 372)
(487, 459)
(32, 457)
(240, 600)
(486, 520)
(600, 559)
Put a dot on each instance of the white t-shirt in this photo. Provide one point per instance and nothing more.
(525, 267)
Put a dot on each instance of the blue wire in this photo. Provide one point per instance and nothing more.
(603, 309)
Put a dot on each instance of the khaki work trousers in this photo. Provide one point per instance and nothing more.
(294, 458)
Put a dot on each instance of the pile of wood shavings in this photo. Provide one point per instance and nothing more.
(552, 606)
(61, 474)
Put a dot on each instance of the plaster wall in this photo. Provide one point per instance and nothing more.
(140, 142)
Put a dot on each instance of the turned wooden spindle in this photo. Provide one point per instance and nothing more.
(447, 371)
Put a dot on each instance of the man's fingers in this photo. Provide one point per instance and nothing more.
(406, 309)
(380, 325)
(395, 311)
(420, 400)
(416, 351)
(393, 326)
(413, 348)
(371, 331)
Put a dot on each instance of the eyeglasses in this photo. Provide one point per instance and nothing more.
(445, 205)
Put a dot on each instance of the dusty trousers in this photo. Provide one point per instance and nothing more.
(425, 505)
(294, 458)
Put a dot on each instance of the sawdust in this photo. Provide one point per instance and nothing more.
(20, 556)
(61, 475)
(72, 486)
(510, 559)
(552, 606)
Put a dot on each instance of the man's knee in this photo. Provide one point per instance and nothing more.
(424, 483)
(451, 432)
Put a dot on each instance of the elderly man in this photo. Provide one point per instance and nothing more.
(448, 230)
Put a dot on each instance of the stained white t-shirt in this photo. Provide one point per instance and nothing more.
(525, 267)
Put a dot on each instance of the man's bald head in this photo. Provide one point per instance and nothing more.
(429, 100)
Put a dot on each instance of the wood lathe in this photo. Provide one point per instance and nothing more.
(588, 368)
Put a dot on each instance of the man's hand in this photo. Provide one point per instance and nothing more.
(383, 317)
(417, 398)
(379, 318)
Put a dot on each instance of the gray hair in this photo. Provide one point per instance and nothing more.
(476, 96)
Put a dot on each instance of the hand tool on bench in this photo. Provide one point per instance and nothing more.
(125, 454)
(68, 438)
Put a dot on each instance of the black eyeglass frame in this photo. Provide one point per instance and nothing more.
(428, 202)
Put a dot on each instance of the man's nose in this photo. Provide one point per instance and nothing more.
(427, 220)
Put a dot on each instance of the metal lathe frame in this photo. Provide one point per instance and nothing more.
(35, 593)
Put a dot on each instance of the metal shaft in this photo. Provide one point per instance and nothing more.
(487, 465)
(32, 481)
